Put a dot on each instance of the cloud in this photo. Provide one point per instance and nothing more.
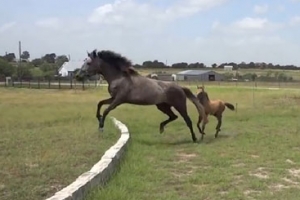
(247, 25)
(260, 9)
(179, 30)
(52, 23)
(295, 21)
(186, 8)
(251, 23)
(130, 12)
(7, 26)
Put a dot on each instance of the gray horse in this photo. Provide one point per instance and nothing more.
(126, 85)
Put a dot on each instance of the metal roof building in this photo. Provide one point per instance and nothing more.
(199, 75)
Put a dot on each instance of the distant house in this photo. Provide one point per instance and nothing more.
(199, 75)
(68, 68)
(228, 67)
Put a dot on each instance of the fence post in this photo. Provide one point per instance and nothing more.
(83, 85)
(59, 83)
(71, 82)
(29, 85)
(48, 83)
(38, 83)
(21, 83)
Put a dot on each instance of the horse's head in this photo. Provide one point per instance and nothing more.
(90, 67)
(202, 95)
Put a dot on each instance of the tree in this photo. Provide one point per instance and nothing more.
(6, 69)
(37, 62)
(10, 57)
(25, 55)
(60, 60)
(49, 58)
(214, 65)
(24, 71)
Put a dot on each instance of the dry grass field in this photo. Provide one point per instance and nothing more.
(47, 139)
(255, 157)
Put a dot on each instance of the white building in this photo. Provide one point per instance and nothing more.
(69, 67)
(228, 67)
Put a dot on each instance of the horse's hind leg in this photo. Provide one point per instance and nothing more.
(218, 128)
(183, 112)
(166, 108)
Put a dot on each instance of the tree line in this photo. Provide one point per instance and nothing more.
(235, 66)
(48, 65)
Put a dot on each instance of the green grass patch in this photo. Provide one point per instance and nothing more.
(256, 155)
(47, 139)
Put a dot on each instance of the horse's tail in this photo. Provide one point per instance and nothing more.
(229, 105)
(195, 101)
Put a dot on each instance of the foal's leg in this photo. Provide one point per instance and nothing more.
(183, 112)
(219, 118)
(203, 128)
(100, 104)
(198, 126)
(115, 102)
(166, 108)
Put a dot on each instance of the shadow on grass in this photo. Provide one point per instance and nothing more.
(164, 143)
(221, 137)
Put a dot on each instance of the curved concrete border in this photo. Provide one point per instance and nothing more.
(100, 172)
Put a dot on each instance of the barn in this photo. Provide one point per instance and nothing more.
(199, 75)
(68, 68)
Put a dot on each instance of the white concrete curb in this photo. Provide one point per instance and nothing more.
(100, 172)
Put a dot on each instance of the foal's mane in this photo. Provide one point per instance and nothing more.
(118, 61)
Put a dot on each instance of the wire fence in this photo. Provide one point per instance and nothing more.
(50, 83)
(68, 83)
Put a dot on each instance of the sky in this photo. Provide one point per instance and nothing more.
(208, 31)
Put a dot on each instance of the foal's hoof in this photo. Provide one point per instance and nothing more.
(101, 130)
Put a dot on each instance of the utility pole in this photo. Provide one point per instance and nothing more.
(19, 65)
(20, 53)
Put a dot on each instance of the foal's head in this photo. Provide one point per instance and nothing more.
(202, 95)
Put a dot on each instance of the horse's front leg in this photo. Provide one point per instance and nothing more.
(115, 102)
(100, 104)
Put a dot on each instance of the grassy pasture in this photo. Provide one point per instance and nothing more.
(47, 139)
(255, 157)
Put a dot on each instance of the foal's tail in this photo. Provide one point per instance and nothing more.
(229, 105)
(195, 101)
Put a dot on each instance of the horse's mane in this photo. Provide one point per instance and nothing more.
(118, 61)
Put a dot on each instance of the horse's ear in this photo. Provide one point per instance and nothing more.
(200, 87)
(94, 54)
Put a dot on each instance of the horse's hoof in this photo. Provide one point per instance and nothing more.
(161, 131)
(101, 130)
